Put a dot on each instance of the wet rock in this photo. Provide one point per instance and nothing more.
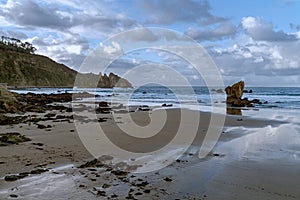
(103, 104)
(38, 171)
(138, 194)
(16, 177)
(38, 144)
(147, 191)
(105, 186)
(91, 163)
(50, 115)
(103, 108)
(168, 179)
(144, 108)
(167, 105)
(13, 196)
(119, 173)
(101, 193)
(142, 184)
(102, 119)
(236, 90)
(12, 138)
(11, 178)
(7, 120)
(248, 91)
(41, 126)
(234, 96)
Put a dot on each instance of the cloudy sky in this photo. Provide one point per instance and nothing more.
(257, 41)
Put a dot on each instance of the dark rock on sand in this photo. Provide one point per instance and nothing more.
(119, 173)
(168, 179)
(103, 108)
(144, 108)
(16, 177)
(13, 196)
(12, 138)
(92, 163)
(38, 171)
(6, 120)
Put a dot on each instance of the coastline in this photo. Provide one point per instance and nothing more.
(228, 172)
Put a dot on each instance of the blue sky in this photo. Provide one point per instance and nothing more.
(257, 41)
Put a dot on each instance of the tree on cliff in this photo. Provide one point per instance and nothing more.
(14, 44)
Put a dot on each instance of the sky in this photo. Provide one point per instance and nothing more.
(256, 41)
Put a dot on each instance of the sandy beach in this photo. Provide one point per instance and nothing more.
(254, 158)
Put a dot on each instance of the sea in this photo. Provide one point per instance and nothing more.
(196, 97)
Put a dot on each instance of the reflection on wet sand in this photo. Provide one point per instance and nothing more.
(234, 111)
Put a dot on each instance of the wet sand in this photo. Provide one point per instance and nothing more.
(253, 159)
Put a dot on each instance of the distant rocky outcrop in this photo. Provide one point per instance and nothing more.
(112, 80)
(91, 80)
(235, 94)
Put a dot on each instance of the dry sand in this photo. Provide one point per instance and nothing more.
(254, 159)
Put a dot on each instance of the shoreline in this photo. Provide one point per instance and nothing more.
(62, 146)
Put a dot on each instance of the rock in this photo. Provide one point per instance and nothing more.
(6, 120)
(257, 101)
(91, 163)
(119, 173)
(38, 171)
(168, 179)
(219, 91)
(41, 126)
(167, 105)
(103, 104)
(103, 108)
(144, 108)
(11, 178)
(248, 91)
(236, 90)
(12, 138)
(234, 97)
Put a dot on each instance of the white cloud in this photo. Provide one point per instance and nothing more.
(114, 48)
(260, 30)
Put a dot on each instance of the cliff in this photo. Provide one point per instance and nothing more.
(23, 69)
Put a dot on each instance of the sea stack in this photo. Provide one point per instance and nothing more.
(235, 94)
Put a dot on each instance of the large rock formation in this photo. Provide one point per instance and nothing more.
(236, 90)
(112, 80)
(235, 94)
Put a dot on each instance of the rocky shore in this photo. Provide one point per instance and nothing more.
(43, 156)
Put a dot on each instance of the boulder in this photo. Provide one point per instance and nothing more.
(235, 94)
(236, 90)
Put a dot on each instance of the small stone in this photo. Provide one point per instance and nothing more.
(38, 144)
(168, 179)
(11, 178)
(138, 194)
(38, 171)
(41, 126)
(101, 193)
(105, 186)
